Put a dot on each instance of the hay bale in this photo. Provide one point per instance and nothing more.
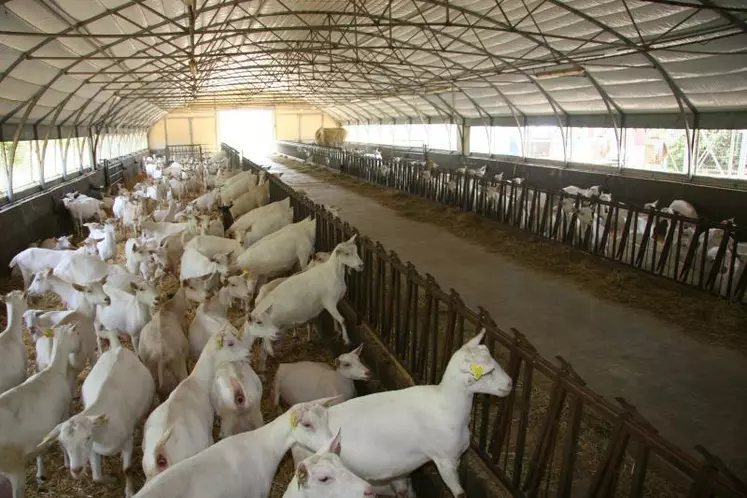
(331, 137)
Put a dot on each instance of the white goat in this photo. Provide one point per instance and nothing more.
(140, 253)
(41, 402)
(82, 269)
(107, 246)
(127, 313)
(280, 251)
(162, 229)
(323, 475)
(34, 259)
(211, 315)
(163, 346)
(121, 278)
(305, 380)
(208, 201)
(236, 186)
(243, 465)
(117, 394)
(195, 265)
(166, 215)
(265, 226)
(390, 434)
(211, 225)
(13, 355)
(210, 245)
(316, 259)
(40, 325)
(256, 196)
(236, 395)
(182, 425)
(83, 208)
(58, 244)
(82, 298)
(304, 295)
(246, 221)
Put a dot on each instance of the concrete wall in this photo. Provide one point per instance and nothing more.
(298, 124)
(183, 127)
(43, 215)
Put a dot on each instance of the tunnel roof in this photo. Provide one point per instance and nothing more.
(588, 62)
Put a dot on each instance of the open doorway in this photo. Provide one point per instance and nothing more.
(250, 131)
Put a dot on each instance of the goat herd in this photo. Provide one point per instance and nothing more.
(342, 446)
(614, 229)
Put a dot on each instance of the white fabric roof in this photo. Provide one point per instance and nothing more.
(598, 62)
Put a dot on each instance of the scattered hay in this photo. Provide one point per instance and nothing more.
(704, 317)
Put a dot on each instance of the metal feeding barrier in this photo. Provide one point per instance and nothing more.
(552, 436)
(183, 153)
(697, 253)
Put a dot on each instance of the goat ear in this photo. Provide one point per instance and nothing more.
(79, 288)
(357, 351)
(475, 341)
(50, 437)
(327, 402)
(103, 279)
(302, 475)
(99, 419)
(50, 272)
(334, 446)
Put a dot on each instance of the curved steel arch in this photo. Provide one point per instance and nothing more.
(342, 39)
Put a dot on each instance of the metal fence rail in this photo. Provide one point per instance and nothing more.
(699, 253)
(184, 153)
(552, 436)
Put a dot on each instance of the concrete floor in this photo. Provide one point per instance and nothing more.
(692, 392)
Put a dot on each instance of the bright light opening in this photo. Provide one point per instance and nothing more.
(250, 131)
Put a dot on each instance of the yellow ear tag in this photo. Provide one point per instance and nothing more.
(219, 341)
(48, 333)
(244, 272)
(101, 420)
(294, 419)
(477, 370)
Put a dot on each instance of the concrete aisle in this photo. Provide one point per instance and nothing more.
(692, 392)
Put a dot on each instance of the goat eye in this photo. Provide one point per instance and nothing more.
(230, 344)
(324, 479)
(346, 364)
(307, 425)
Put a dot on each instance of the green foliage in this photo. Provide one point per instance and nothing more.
(714, 150)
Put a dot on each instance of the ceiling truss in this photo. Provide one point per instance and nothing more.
(127, 63)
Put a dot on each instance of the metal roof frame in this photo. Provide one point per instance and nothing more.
(127, 63)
